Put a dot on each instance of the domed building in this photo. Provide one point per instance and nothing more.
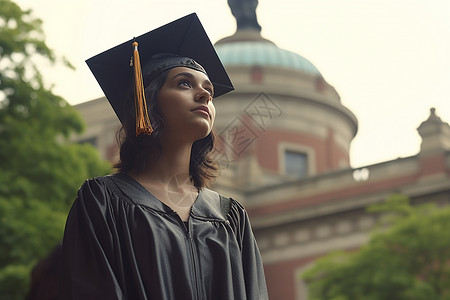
(284, 140)
(283, 120)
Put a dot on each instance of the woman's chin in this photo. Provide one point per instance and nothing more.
(201, 130)
(203, 134)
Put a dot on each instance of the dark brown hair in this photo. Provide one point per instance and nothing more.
(134, 150)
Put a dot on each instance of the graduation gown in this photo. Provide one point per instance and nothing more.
(121, 242)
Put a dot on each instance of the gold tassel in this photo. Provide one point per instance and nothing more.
(143, 125)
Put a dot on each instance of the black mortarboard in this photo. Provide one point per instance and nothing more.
(163, 48)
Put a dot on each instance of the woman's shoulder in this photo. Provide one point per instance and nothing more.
(237, 212)
(234, 213)
(95, 184)
(109, 182)
(230, 209)
(101, 188)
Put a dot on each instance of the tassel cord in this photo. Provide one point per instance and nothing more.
(143, 125)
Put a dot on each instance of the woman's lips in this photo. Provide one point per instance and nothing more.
(202, 109)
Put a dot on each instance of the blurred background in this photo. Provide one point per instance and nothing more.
(339, 115)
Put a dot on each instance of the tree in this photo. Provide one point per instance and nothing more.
(407, 257)
(40, 169)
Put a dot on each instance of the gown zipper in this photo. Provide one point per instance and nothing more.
(194, 263)
(193, 257)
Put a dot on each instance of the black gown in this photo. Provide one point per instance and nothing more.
(121, 242)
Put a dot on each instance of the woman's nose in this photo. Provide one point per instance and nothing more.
(203, 96)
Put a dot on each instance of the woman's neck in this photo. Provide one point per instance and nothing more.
(171, 164)
(167, 178)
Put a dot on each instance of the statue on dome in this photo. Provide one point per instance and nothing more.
(245, 13)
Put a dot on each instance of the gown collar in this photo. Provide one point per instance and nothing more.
(207, 205)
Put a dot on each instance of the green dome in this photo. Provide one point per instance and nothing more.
(253, 53)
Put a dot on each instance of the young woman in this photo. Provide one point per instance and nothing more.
(153, 230)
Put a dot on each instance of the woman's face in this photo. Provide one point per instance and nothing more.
(185, 101)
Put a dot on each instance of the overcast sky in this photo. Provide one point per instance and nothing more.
(388, 59)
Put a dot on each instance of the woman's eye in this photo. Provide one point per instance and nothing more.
(184, 83)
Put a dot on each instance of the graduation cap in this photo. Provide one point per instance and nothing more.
(182, 42)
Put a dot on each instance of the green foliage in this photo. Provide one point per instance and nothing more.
(40, 170)
(407, 258)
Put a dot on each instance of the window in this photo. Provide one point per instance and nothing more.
(295, 163)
